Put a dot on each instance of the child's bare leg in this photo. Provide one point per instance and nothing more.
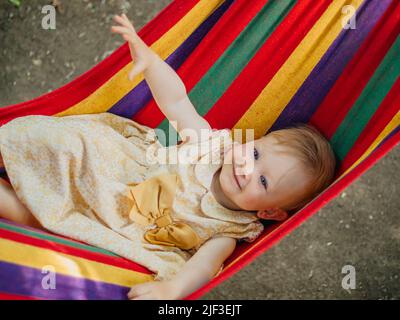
(13, 209)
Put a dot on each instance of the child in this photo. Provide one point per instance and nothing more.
(93, 177)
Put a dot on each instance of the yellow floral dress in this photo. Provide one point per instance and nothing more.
(108, 181)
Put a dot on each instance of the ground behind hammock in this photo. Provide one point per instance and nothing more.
(360, 228)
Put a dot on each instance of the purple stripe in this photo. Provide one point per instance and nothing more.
(139, 96)
(313, 91)
(397, 129)
(26, 281)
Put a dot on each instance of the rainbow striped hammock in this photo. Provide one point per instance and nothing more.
(246, 64)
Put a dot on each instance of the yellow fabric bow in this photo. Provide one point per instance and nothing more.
(153, 200)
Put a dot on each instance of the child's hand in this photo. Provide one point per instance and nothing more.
(157, 290)
(141, 54)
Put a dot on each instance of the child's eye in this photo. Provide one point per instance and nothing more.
(256, 155)
(264, 181)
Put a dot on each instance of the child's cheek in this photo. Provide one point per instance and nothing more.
(228, 156)
(228, 149)
(225, 179)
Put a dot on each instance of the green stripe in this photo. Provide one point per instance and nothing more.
(51, 238)
(231, 63)
(369, 101)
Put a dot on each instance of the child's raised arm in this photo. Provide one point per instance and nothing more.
(167, 88)
(196, 272)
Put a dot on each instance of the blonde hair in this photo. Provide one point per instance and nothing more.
(314, 151)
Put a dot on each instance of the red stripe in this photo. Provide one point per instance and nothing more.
(385, 113)
(80, 88)
(266, 63)
(355, 77)
(230, 25)
(94, 256)
(7, 296)
(295, 221)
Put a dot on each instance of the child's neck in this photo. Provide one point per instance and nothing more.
(219, 194)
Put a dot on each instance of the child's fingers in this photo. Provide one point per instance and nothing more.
(121, 30)
(127, 20)
(122, 21)
(126, 34)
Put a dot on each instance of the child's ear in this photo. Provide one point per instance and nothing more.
(273, 214)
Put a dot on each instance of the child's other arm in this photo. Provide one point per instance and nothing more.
(171, 96)
(167, 88)
(197, 271)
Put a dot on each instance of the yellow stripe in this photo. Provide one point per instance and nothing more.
(35, 257)
(281, 89)
(119, 85)
(388, 129)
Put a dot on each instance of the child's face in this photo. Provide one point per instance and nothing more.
(259, 176)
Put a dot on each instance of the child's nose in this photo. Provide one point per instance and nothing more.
(245, 165)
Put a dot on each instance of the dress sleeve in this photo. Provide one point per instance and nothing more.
(246, 232)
